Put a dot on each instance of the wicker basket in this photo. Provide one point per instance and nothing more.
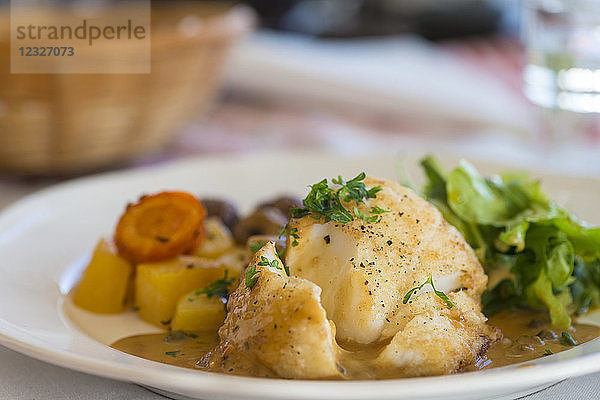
(72, 123)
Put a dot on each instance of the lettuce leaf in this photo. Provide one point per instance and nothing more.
(585, 290)
(482, 201)
(554, 259)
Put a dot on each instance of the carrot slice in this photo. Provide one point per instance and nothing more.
(160, 226)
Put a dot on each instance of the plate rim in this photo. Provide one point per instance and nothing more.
(542, 372)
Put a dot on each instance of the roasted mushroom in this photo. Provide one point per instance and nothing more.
(223, 210)
(283, 203)
(263, 221)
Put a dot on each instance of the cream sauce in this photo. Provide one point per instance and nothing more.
(177, 348)
(525, 336)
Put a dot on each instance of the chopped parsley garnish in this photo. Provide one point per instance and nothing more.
(378, 210)
(219, 288)
(438, 293)
(264, 262)
(547, 353)
(256, 246)
(567, 340)
(294, 234)
(324, 202)
(173, 353)
(282, 230)
(251, 276)
(252, 273)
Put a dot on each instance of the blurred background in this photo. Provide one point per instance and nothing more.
(516, 81)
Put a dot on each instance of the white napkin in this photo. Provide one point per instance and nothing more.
(400, 77)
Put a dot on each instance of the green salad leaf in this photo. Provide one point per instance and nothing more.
(550, 258)
(585, 289)
(482, 201)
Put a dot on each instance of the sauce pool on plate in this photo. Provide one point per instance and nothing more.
(176, 348)
(525, 336)
(528, 335)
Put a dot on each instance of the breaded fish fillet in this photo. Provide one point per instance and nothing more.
(365, 271)
(437, 340)
(361, 277)
(276, 328)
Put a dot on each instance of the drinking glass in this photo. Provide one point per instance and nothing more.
(562, 74)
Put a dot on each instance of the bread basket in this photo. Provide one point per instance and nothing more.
(73, 123)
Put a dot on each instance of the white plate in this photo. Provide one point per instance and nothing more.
(43, 237)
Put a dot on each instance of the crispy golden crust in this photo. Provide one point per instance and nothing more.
(366, 269)
(436, 340)
(277, 328)
(357, 275)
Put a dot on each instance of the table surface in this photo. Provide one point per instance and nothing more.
(241, 125)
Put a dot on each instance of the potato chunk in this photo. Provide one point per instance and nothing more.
(235, 260)
(217, 239)
(160, 285)
(198, 312)
(104, 284)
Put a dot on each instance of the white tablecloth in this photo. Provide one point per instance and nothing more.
(23, 378)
